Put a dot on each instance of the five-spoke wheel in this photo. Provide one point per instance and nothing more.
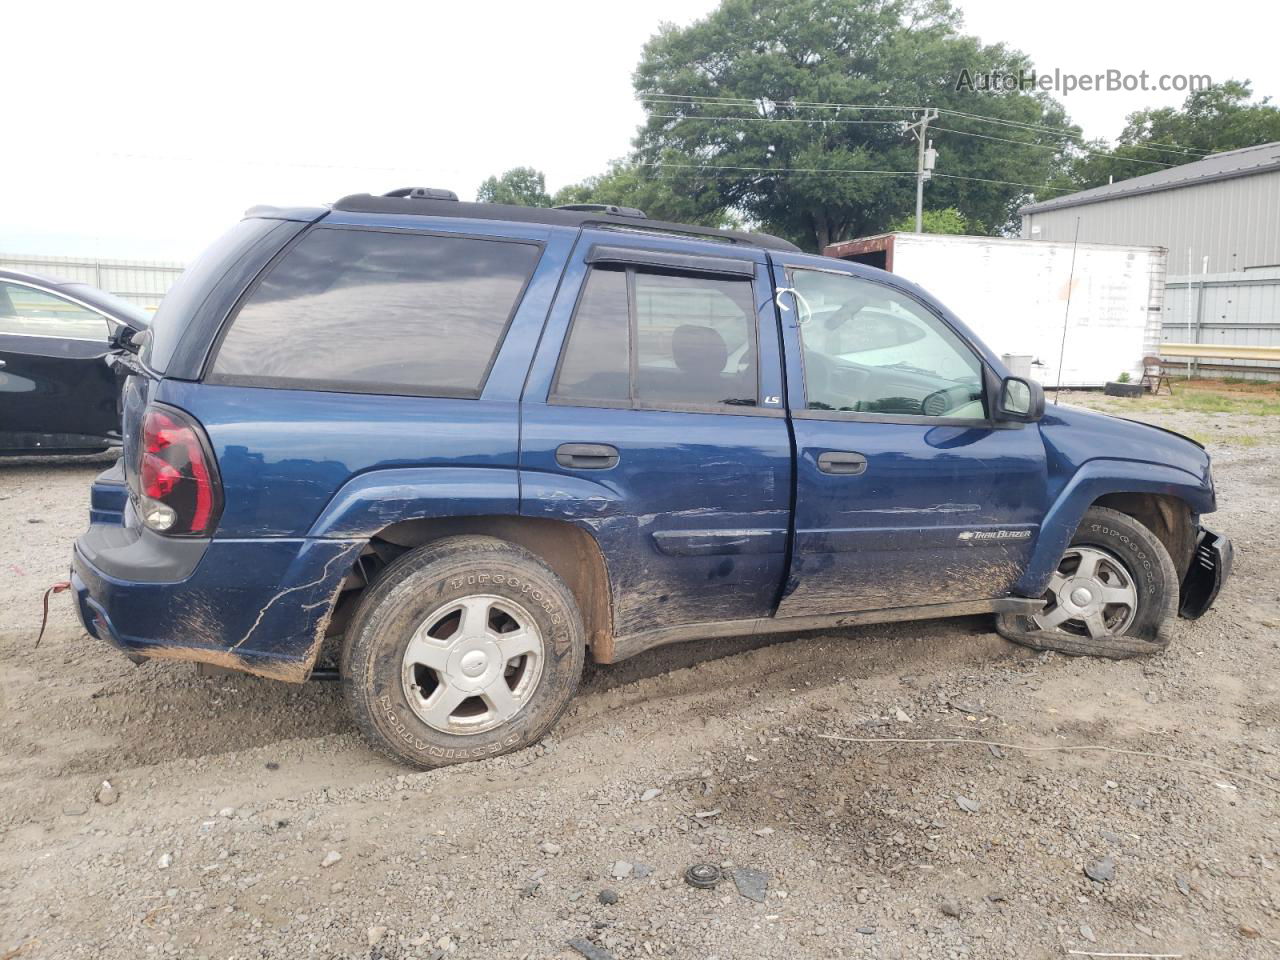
(1090, 594)
(472, 664)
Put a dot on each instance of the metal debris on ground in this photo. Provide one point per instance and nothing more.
(590, 950)
(704, 876)
(1101, 871)
(967, 805)
(751, 883)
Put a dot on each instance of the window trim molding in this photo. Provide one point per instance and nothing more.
(685, 263)
(630, 270)
(210, 375)
(900, 418)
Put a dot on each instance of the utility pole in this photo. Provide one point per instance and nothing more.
(926, 156)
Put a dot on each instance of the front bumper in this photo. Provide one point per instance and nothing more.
(1210, 566)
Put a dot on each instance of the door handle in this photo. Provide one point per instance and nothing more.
(843, 462)
(587, 456)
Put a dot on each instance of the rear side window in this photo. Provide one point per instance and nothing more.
(377, 312)
(660, 340)
(190, 290)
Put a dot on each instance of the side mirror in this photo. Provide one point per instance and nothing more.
(1020, 400)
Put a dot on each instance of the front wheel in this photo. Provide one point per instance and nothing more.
(1113, 593)
(468, 647)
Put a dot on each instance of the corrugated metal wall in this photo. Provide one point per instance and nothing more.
(1230, 308)
(1235, 223)
(138, 281)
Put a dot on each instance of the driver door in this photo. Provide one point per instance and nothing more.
(56, 391)
(906, 493)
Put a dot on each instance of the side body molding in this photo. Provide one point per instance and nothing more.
(371, 501)
(1094, 479)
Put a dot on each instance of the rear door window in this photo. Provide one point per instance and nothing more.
(369, 311)
(663, 340)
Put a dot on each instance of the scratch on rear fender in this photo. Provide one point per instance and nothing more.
(324, 575)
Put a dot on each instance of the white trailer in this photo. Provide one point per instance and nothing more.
(1014, 295)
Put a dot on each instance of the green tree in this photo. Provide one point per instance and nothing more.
(1218, 118)
(628, 184)
(947, 220)
(522, 186)
(732, 122)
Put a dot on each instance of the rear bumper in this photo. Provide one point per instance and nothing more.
(1210, 566)
(260, 606)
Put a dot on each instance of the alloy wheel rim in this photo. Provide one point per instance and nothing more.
(472, 664)
(1091, 594)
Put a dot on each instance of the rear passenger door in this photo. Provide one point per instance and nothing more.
(653, 419)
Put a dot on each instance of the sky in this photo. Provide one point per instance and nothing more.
(143, 130)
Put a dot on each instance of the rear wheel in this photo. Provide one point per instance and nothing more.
(1113, 594)
(465, 648)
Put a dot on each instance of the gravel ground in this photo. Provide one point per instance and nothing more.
(249, 820)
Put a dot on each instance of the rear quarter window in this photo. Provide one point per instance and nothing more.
(368, 311)
(193, 287)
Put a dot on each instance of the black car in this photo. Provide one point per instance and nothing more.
(58, 393)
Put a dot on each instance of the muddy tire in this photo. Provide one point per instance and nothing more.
(466, 648)
(1114, 594)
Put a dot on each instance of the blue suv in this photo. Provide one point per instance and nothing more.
(458, 446)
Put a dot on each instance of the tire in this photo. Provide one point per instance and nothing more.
(464, 605)
(1117, 549)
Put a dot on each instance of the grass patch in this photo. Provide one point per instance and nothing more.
(1226, 440)
(1259, 398)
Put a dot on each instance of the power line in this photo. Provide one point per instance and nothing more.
(1047, 146)
(818, 105)
(836, 171)
(831, 170)
(1159, 147)
(681, 116)
(963, 133)
(746, 102)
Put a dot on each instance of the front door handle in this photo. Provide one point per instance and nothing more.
(843, 462)
(587, 456)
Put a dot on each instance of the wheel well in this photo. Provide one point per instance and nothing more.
(567, 549)
(1169, 518)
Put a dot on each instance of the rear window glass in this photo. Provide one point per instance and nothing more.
(189, 291)
(378, 312)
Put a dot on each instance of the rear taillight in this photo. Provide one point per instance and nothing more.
(179, 493)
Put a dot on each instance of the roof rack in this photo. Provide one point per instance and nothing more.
(422, 193)
(428, 202)
(604, 208)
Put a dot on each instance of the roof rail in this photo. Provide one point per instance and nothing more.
(422, 193)
(610, 208)
(425, 205)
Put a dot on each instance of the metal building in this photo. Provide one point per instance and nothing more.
(1219, 218)
(1225, 207)
(138, 281)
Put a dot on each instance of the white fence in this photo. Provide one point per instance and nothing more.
(138, 281)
